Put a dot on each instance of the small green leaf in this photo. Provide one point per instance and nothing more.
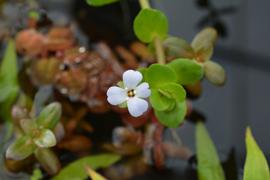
(256, 167)
(205, 53)
(37, 174)
(9, 87)
(9, 69)
(49, 116)
(21, 148)
(209, 167)
(175, 91)
(45, 139)
(159, 101)
(174, 117)
(207, 37)
(187, 71)
(150, 23)
(158, 75)
(214, 73)
(48, 160)
(76, 169)
(100, 2)
(177, 47)
(28, 125)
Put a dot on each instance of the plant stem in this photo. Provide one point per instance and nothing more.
(157, 41)
(159, 51)
(144, 4)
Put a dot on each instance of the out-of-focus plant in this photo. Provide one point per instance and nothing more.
(77, 169)
(256, 167)
(36, 137)
(9, 87)
(201, 50)
(209, 166)
(37, 174)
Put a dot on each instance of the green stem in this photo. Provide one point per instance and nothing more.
(144, 4)
(159, 51)
(157, 41)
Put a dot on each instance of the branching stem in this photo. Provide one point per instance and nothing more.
(157, 41)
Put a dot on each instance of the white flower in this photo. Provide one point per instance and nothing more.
(132, 93)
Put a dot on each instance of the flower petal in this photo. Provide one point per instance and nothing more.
(143, 91)
(137, 106)
(132, 78)
(116, 95)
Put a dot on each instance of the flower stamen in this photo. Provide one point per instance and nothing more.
(131, 93)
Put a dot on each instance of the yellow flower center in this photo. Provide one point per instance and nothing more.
(131, 93)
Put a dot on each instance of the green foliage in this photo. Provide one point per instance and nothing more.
(77, 171)
(45, 139)
(204, 40)
(214, 73)
(159, 101)
(256, 167)
(187, 71)
(49, 116)
(173, 91)
(9, 87)
(200, 51)
(177, 47)
(150, 23)
(48, 160)
(21, 148)
(37, 175)
(100, 2)
(174, 117)
(36, 133)
(167, 96)
(209, 167)
(158, 74)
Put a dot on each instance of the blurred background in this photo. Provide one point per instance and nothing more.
(243, 49)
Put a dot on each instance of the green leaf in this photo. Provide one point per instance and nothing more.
(150, 23)
(207, 37)
(37, 174)
(209, 167)
(9, 69)
(214, 73)
(158, 74)
(28, 126)
(100, 2)
(256, 167)
(160, 102)
(45, 139)
(9, 94)
(188, 71)
(21, 148)
(9, 87)
(49, 116)
(174, 117)
(177, 47)
(175, 91)
(48, 160)
(76, 170)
